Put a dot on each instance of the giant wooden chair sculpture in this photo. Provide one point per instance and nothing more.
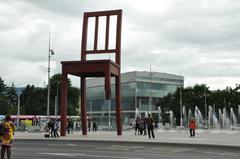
(94, 68)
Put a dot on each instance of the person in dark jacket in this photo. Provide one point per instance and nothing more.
(150, 127)
(137, 123)
(52, 128)
(89, 125)
(94, 125)
(70, 126)
(55, 128)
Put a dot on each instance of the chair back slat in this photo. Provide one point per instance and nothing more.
(106, 49)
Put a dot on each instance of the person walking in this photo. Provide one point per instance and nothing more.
(70, 126)
(51, 128)
(192, 127)
(7, 136)
(95, 125)
(137, 122)
(144, 127)
(141, 126)
(55, 127)
(89, 125)
(150, 127)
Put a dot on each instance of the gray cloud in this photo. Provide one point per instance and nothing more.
(197, 39)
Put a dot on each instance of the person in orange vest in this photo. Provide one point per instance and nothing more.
(192, 127)
(7, 136)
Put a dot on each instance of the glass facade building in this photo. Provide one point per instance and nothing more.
(140, 91)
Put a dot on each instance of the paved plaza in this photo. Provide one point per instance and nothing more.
(203, 137)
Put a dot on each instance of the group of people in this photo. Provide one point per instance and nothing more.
(91, 124)
(141, 124)
(94, 125)
(144, 125)
(53, 127)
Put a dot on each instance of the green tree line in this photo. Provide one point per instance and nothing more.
(198, 95)
(33, 100)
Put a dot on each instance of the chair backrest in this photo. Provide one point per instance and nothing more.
(95, 49)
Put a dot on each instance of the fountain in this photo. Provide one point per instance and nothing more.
(209, 116)
(198, 117)
(185, 119)
(225, 119)
(137, 113)
(233, 118)
(189, 115)
(146, 114)
(171, 119)
(212, 118)
(215, 120)
(220, 118)
(159, 116)
(238, 114)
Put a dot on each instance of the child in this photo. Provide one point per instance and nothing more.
(192, 127)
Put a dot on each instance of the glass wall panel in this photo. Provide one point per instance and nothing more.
(131, 92)
(96, 98)
(128, 95)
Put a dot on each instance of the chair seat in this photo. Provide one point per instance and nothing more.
(91, 68)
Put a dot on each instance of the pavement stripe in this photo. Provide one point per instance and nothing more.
(121, 147)
(72, 145)
(27, 157)
(64, 154)
(86, 155)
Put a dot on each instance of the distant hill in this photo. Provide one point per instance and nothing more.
(19, 90)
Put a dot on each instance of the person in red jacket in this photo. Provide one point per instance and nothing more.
(192, 127)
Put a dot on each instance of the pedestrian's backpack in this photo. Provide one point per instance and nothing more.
(2, 129)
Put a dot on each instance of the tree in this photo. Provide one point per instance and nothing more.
(191, 97)
(73, 100)
(195, 96)
(4, 105)
(36, 102)
(73, 95)
(12, 99)
(3, 87)
(25, 96)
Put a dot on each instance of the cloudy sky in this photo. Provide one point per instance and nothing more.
(197, 39)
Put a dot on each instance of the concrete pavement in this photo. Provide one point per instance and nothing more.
(227, 138)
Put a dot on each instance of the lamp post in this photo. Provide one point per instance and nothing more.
(150, 91)
(109, 114)
(181, 85)
(18, 92)
(159, 115)
(181, 120)
(50, 53)
(205, 104)
(140, 108)
(90, 103)
(18, 111)
(56, 102)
